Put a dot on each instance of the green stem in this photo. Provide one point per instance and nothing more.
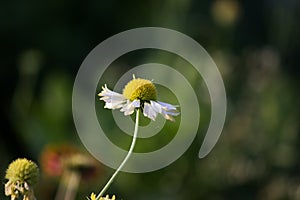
(125, 159)
(72, 187)
(68, 185)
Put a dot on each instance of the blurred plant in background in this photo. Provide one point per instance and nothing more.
(72, 166)
(22, 175)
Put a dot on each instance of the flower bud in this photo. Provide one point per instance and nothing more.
(23, 170)
(22, 175)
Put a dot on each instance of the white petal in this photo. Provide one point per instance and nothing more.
(129, 107)
(149, 111)
(167, 106)
(168, 117)
(8, 188)
(136, 103)
(156, 106)
(168, 111)
(26, 186)
(113, 100)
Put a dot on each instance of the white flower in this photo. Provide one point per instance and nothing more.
(138, 93)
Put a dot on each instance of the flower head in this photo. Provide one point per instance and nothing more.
(107, 198)
(58, 159)
(84, 164)
(22, 175)
(93, 197)
(53, 158)
(138, 93)
(141, 89)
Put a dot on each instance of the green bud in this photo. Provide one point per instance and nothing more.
(24, 171)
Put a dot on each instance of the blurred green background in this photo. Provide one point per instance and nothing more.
(255, 44)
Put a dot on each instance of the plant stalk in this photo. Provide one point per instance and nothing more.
(125, 159)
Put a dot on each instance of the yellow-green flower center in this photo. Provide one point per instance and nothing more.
(23, 170)
(140, 89)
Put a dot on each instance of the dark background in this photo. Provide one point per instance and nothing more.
(255, 44)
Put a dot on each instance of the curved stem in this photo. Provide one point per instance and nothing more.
(125, 159)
